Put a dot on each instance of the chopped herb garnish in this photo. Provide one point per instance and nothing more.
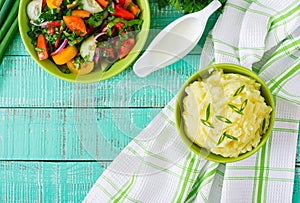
(69, 13)
(221, 139)
(129, 6)
(239, 110)
(39, 49)
(230, 136)
(207, 123)
(226, 135)
(223, 119)
(127, 24)
(207, 112)
(97, 19)
(236, 109)
(263, 124)
(244, 105)
(110, 7)
(80, 4)
(239, 90)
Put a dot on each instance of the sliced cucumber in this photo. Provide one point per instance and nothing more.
(104, 65)
(88, 48)
(34, 9)
(91, 6)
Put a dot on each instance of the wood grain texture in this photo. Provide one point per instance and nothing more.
(69, 134)
(24, 84)
(47, 181)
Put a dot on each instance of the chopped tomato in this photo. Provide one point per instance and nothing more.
(123, 13)
(54, 3)
(103, 3)
(55, 23)
(42, 45)
(132, 7)
(56, 43)
(121, 2)
(75, 23)
(116, 29)
(81, 13)
(111, 52)
(119, 25)
(126, 47)
(51, 30)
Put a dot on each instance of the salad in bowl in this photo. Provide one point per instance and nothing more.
(81, 37)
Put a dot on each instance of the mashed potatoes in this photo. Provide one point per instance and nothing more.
(225, 113)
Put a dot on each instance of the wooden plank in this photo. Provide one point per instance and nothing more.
(24, 84)
(57, 181)
(69, 134)
(48, 182)
(58, 134)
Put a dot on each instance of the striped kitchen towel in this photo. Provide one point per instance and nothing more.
(156, 166)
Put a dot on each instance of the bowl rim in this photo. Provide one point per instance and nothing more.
(95, 76)
(204, 153)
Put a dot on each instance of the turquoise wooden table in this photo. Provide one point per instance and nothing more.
(47, 150)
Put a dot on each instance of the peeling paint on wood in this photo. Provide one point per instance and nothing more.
(69, 134)
(48, 181)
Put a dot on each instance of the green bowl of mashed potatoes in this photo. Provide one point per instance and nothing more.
(225, 113)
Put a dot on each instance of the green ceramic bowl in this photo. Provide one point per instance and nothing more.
(227, 68)
(96, 75)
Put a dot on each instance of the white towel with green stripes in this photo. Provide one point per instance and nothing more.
(156, 166)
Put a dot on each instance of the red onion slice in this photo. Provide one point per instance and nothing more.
(61, 47)
(44, 3)
(104, 29)
(98, 35)
(97, 55)
(42, 25)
